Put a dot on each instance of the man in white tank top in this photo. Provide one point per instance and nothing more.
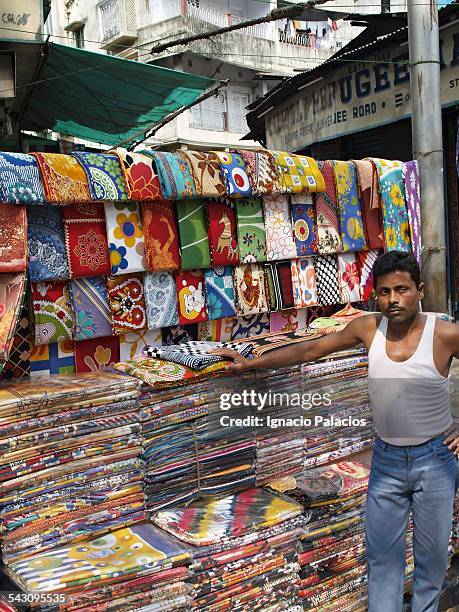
(414, 463)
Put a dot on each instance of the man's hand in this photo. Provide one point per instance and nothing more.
(240, 363)
(452, 439)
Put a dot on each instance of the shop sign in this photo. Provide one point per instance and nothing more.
(358, 96)
(21, 19)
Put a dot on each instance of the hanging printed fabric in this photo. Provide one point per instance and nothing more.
(290, 320)
(220, 292)
(349, 280)
(251, 325)
(13, 238)
(104, 174)
(232, 167)
(413, 205)
(179, 333)
(141, 180)
(219, 330)
(326, 267)
(284, 273)
(96, 354)
(52, 312)
(205, 170)
(251, 231)
(125, 237)
(298, 173)
(174, 174)
(46, 244)
(194, 240)
(350, 213)
(161, 236)
(371, 203)
(12, 293)
(394, 213)
(222, 232)
(132, 344)
(304, 282)
(64, 180)
(262, 171)
(304, 224)
(18, 364)
(328, 236)
(365, 263)
(55, 358)
(86, 240)
(90, 304)
(160, 299)
(127, 303)
(249, 283)
(279, 234)
(191, 297)
(20, 181)
(272, 286)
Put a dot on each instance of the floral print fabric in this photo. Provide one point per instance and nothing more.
(222, 232)
(174, 175)
(220, 292)
(127, 303)
(161, 236)
(395, 217)
(194, 240)
(304, 282)
(86, 240)
(328, 234)
(160, 299)
(350, 213)
(90, 305)
(262, 171)
(141, 180)
(249, 283)
(233, 169)
(413, 204)
(64, 180)
(304, 224)
(205, 170)
(251, 325)
(52, 312)
(105, 177)
(297, 173)
(133, 343)
(20, 181)
(349, 280)
(125, 237)
(251, 231)
(279, 233)
(218, 330)
(191, 297)
(46, 244)
(13, 238)
(96, 354)
(12, 291)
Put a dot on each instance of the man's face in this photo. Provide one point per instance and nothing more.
(398, 297)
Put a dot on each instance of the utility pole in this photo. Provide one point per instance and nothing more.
(426, 127)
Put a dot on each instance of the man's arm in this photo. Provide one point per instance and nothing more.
(309, 350)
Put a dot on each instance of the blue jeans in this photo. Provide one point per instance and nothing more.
(403, 478)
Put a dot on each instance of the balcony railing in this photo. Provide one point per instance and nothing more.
(110, 18)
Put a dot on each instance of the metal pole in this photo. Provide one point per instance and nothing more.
(426, 127)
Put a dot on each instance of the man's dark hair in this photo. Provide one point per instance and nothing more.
(396, 261)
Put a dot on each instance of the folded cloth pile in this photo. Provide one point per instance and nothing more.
(70, 461)
(134, 568)
(243, 548)
(455, 530)
(187, 452)
(332, 557)
(196, 354)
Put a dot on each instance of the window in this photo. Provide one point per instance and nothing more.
(237, 103)
(210, 114)
(78, 38)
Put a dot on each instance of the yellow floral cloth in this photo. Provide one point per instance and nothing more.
(64, 179)
(125, 237)
(298, 173)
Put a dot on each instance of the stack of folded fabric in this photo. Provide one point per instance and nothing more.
(134, 568)
(455, 530)
(243, 548)
(71, 461)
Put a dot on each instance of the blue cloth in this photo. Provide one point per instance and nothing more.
(46, 243)
(20, 181)
(421, 478)
(174, 175)
(220, 292)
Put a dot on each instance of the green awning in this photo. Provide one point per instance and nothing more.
(104, 98)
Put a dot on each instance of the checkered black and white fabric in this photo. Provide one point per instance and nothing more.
(326, 268)
(196, 355)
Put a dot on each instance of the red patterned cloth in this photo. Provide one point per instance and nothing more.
(365, 262)
(127, 303)
(96, 354)
(161, 236)
(86, 240)
(222, 233)
(371, 203)
(284, 270)
(191, 297)
(13, 238)
(141, 180)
